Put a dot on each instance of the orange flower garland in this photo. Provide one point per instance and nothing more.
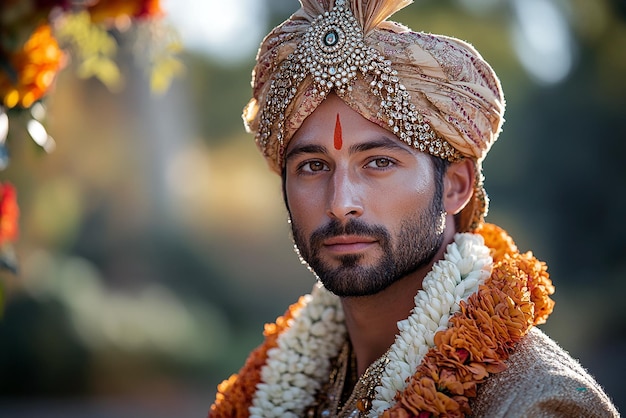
(234, 395)
(498, 241)
(35, 66)
(477, 342)
(539, 282)
(481, 336)
(9, 213)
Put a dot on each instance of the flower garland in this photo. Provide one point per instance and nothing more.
(474, 343)
(38, 38)
(31, 34)
(481, 336)
(296, 368)
(234, 395)
(466, 264)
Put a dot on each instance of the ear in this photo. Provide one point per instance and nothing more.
(458, 185)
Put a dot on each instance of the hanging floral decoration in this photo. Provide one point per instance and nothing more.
(40, 38)
(9, 214)
(9, 231)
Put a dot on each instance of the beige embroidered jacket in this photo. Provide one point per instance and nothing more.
(542, 380)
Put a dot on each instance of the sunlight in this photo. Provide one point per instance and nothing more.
(230, 30)
(542, 39)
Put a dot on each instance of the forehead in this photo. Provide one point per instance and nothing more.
(321, 124)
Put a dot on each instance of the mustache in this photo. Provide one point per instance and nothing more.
(353, 227)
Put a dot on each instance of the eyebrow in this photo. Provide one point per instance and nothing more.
(306, 149)
(382, 143)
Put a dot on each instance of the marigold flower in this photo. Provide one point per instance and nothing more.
(467, 341)
(111, 9)
(481, 334)
(35, 67)
(497, 240)
(540, 286)
(423, 395)
(9, 213)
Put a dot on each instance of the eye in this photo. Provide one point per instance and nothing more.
(312, 166)
(380, 162)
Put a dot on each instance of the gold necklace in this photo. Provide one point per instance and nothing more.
(344, 395)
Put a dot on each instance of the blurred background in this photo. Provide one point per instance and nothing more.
(154, 243)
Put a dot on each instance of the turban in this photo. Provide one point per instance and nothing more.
(434, 92)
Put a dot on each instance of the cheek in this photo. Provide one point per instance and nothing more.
(406, 196)
(304, 206)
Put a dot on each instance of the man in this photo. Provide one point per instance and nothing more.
(422, 308)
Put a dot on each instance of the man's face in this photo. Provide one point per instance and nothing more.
(364, 207)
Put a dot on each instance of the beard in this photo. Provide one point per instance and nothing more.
(420, 237)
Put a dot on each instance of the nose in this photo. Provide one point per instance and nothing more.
(344, 200)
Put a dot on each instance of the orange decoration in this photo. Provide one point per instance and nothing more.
(9, 213)
(112, 9)
(498, 241)
(35, 67)
(481, 335)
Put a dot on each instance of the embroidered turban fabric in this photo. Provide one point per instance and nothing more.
(434, 92)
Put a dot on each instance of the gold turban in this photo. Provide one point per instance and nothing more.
(434, 92)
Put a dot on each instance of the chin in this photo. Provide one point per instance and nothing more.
(355, 284)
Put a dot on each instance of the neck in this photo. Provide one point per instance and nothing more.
(371, 321)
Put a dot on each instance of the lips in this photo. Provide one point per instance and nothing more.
(344, 244)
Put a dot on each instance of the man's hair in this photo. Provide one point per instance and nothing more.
(440, 166)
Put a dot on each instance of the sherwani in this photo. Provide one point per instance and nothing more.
(542, 380)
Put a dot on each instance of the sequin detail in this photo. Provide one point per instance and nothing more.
(333, 53)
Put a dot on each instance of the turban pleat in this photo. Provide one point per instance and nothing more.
(450, 85)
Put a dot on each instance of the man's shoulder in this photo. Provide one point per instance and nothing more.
(542, 379)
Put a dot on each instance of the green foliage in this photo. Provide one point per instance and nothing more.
(219, 94)
(166, 66)
(93, 46)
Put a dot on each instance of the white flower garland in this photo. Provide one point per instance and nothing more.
(301, 361)
(296, 368)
